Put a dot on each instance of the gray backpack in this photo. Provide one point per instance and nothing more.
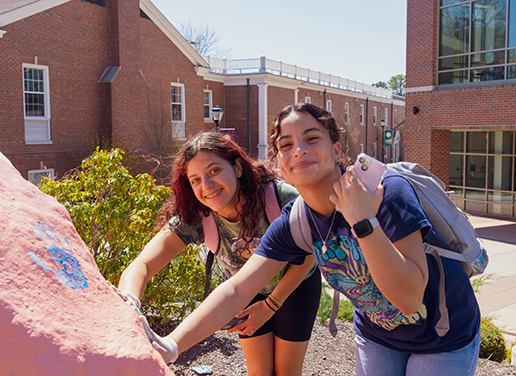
(451, 224)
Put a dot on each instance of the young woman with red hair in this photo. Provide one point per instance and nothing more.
(213, 175)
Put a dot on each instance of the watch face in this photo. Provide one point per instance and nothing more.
(363, 228)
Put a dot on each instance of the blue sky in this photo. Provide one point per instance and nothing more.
(362, 40)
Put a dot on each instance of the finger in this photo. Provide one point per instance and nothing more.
(161, 350)
(334, 199)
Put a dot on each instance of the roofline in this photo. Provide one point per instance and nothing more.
(171, 32)
(28, 10)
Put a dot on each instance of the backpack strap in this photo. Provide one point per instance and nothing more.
(272, 207)
(443, 325)
(300, 229)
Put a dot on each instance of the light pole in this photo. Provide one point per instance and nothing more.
(382, 122)
(216, 115)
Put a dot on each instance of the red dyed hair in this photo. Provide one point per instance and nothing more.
(255, 177)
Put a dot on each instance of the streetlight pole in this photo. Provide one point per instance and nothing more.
(382, 122)
(216, 115)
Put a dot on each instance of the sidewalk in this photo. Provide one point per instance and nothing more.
(497, 298)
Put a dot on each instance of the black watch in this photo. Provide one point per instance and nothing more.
(365, 227)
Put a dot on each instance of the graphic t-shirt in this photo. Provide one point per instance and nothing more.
(232, 254)
(345, 268)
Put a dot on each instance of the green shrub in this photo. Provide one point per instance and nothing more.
(114, 213)
(508, 353)
(346, 308)
(492, 342)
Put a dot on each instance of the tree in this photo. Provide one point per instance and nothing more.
(395, 83)
(114, 213)
(205, 38)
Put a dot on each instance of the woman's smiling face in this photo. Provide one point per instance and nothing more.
(306, 154)
(215, 182)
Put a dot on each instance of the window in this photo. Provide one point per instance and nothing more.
(374, 115)
(395, 117)
(347, 150)
(207, 104)
(361, 114)
(361, 148)
(477, 41)
(329, 106)
(35, 176)
(346, 113)
(177, 99)
(36, 104)
(374, 149)
(386, 116)
(308, 100)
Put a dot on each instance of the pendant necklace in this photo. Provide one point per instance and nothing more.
(324, 248)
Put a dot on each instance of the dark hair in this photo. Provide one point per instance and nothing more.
(255, 177)
(324, 117)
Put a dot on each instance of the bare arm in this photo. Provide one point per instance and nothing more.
(399, 269)
(225, 301)
(260, 312)
(165, 246)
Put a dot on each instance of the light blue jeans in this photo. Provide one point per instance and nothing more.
(376, 360)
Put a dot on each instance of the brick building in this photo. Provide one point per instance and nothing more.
(461, 98)
(81, 73)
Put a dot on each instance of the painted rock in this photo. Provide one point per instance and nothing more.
(58, 315)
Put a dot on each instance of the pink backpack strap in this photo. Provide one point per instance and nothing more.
(271, 203)
(211, 232)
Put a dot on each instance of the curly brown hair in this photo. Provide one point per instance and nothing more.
(256, 175)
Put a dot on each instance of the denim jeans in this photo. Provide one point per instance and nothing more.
(376, 360)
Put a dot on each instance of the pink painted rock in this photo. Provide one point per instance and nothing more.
(58, 315)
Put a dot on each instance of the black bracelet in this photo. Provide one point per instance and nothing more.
(266, 302)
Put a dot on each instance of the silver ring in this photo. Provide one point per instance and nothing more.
(351, 178)
(251, 331)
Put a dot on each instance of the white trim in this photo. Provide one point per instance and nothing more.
(362, 114)
(47, 171)
(28, 10)
(34, 120)
(171, 32)
(2, 32)
(418, 89)
(209, 104)
(262, 121)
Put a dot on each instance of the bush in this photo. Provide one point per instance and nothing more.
(346, 309)
(114, 213)
(492, 342)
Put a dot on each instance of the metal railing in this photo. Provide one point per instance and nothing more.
(278, 68)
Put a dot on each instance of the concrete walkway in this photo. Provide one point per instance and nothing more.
(497, 298)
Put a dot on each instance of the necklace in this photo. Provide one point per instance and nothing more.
(324, 248)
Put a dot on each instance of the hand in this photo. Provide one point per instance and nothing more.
(258, 313)
(166, 346)
(353, 200)
(128, 297)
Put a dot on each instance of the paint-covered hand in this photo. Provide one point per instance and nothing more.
(67, 268)
(166, 346)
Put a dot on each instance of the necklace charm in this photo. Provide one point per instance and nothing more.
(323, 248)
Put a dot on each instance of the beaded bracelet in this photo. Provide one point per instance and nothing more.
(268, 305)
(275, 302)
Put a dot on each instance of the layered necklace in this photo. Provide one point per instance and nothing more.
(324, 248)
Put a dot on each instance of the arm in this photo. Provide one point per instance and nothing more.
(165, 246)
(260, 312)
(225, 301)
(399, 269)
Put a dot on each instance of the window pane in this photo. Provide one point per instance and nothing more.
(488, 58)
(457, 142)
(475, 171)
(34, 105)
(473, 206)
(512, 23)
(456, 193)
(449, 2)
(454, 30)
(456, 77)
(455, 62)
(500, 142)
(488, 25)
(176, 112)
(500, 170)
(475, 195)
(206, 112)
(502, 197)
(206, 98)
(505, 210)
(476, 142)
(456, 173)
(487, 74)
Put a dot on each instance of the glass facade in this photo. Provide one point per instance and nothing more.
(483, 171)
(477, 41)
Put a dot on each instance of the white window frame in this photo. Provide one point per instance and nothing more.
(37, 128)
(361, 148)
(386, 117)
(329, 105)
(178, 126)
(209, 105)
(35, 176)
(346, 113)
(396, 117)
(374, 149)
(362, 114)
(375, 114)
(347, 150)
(308, 100)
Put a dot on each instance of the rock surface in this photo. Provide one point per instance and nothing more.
(58, 315)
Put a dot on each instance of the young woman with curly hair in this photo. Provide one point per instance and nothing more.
(213, 175)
